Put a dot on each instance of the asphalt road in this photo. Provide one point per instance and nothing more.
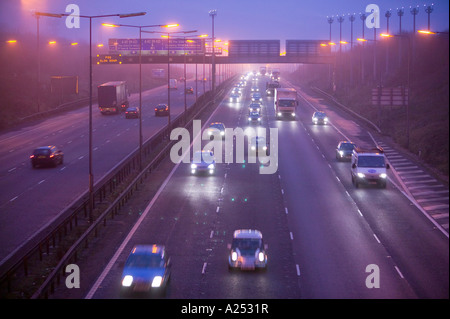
(325, 237)
(31, 198)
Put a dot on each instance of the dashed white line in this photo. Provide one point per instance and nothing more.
(286, 210)
(12, 169)
(217, 209)
(13, 199)
(298, 269)
(41, 182)
(291, 235)
(211, 235)
(204, 268)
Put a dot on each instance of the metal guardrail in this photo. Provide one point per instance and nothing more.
(70, 217)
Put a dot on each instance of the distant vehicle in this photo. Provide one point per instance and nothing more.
(216, 128)
(147, 269)
(254, 107)
(275, 75)
(254, 117)
(256, 98)
(344, 150)
(173, 84)
(132, 112)
(112, 97)
(368, 166)
(235, 97)
(319, 117)
(285, 102)
(262, 70)
(161, 109)
(203, 162)
(259, 144)
(247, 250)
(158, 73)
(271, 86)
(47, 156)
(189, 90)
(255, 89)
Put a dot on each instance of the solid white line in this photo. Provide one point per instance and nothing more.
(399, 272)
(359, 212)
(377, 238)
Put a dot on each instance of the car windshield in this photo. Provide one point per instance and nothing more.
(206, 157)
(347, 146)
(254, 114)
(371, 161)
(286, 103)
(319, 115)
(217, 126)
(247, 246)
(43, 151)
(145, 261)
(258, 139)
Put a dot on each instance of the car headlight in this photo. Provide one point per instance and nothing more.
(211, 166)
(193, 166)
(157, 281)
(209, 133)
(341, 153)
(249, 118)
(361, 175)
(279, 113)
(127, 281)
(253, 148)
(259, 119)
(234, 256)
(293, 114)
(265, 148)
(383, 175)
(261, 256)
(222, 133)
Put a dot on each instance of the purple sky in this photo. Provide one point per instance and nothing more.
(235, 20)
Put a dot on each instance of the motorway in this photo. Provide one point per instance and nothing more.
(31, 198)
(322, 233)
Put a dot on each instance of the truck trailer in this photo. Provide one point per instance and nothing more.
(113, 97)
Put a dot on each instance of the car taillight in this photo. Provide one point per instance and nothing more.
(32, 156)
(52, 155)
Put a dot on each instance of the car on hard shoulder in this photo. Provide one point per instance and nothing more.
(147, 269)
(46, 156)
(344, 150)
(161, 110)
(319, 118)
(247, 250)
(132, 112)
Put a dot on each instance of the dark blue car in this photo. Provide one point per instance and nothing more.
(147, 268)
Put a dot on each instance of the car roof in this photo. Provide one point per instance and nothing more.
(148, 249)
(45, 147)
(247, 233)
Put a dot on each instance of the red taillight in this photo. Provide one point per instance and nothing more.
(53, 155)
(32, 156)
(156, 109)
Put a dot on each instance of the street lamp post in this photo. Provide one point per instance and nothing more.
(91, 174)
(167, 35)
(213, 13)
(140, 76)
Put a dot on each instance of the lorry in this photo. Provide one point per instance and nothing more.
(173, 84)
(285, 102)
(113, 97)
(276, 75)
(368, 166)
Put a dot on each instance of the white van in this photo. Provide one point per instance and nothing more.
(368, 166)
(173, 84)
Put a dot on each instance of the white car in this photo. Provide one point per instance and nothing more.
(247, 251)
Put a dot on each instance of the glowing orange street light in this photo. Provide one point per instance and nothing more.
(52, 42)
(386, 35)
(361, 40)
(11, 41)
(100, 45)
(110, 25)
(343, 42)
(426, 32)
(74, 43)
(171, 25)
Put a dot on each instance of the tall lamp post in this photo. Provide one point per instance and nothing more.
(213, 13)
(91, 174)
(140, 73)
(167, 35)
